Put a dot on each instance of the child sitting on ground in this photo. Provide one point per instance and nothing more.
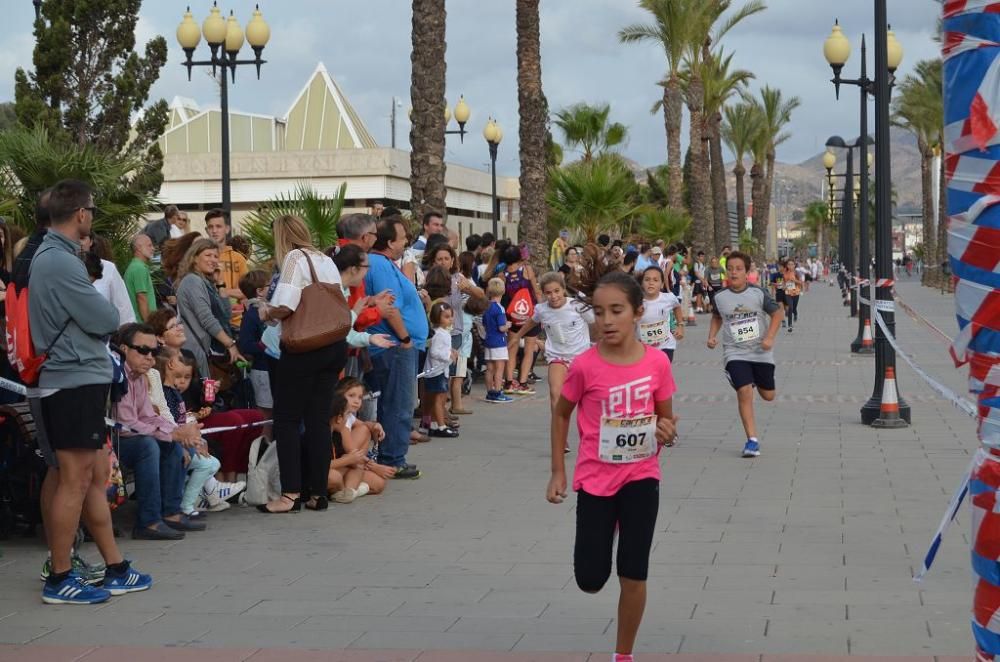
(354, 471)
(176, 371)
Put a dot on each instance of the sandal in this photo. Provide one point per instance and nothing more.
(459, 412)
(317, 503)
(296, 506)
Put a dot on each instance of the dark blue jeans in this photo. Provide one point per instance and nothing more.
(394, 373)
(159, 476)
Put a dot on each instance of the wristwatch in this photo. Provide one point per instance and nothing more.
(405, 341)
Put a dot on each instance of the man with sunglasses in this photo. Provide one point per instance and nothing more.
(70, 320)
(152, 444)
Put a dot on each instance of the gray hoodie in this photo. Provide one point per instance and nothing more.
(61, 296)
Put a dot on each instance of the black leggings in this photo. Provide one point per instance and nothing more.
(304, 396)
(633, 510)
(793, 307)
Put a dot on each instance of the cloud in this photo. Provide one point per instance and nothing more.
(365, 45)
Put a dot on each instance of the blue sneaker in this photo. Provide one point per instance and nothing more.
(129, 581)
(74, 591)
(752, 448)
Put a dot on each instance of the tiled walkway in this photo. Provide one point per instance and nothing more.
(807, 551)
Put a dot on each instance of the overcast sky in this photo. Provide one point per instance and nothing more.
(365, 44)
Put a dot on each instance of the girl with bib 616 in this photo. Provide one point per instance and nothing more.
(623, 390)
(661, 324)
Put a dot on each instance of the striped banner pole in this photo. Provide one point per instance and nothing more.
(971, 73)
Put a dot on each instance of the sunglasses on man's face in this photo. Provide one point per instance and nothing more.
(145, 350)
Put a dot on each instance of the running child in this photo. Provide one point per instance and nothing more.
(661, 324)
(567, 329)
(793, 285)
(623, 389)
(749, 319)
(495, 326)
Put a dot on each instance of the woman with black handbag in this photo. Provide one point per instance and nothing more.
(315, 320)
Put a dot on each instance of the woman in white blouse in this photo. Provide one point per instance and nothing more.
(304, 382)
(110, 284)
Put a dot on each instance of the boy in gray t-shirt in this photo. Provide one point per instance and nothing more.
(749, 319)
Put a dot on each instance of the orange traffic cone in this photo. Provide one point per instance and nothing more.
(867, 342)
(888, 416)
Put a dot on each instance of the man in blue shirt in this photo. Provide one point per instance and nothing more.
(394, 370)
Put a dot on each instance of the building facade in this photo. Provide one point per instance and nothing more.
(321, 142)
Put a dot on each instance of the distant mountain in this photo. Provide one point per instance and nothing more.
(796, 185)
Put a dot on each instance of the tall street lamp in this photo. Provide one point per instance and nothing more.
(888, 55)
(493, 135)
(837, 49)
(847, 219)
(461, 115)
(225, 39)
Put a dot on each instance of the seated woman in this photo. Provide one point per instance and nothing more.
(235, 443)
(354, 471)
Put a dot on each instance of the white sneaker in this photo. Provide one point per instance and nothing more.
(345, 496)
(363, 489)
(218, 499)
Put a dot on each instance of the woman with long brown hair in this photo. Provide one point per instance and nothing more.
(305, 381)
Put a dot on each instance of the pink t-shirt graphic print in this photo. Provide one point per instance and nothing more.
(624, 398)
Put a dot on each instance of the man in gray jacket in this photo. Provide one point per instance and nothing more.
(69, 321)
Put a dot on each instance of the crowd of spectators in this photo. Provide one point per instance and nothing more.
(182, 352)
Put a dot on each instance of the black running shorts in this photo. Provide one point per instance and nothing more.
(633, 512)
(741, 373)
(74, 417)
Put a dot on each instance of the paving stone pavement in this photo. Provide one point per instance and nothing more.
(808, 550)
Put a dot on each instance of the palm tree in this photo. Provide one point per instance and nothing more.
(706, 30)
(427, 90)
(32, 161)
(593, 196)
(587, 127)
(777, 113)
(817, 220)
(720, 85)
(741, 125)
(535, 139)
(669, 29)
(667, 224)
(919, 108)
(319, 213)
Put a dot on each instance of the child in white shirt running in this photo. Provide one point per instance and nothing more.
(658, 307)
(567, 325)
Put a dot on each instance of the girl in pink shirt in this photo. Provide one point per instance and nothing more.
(623, 389)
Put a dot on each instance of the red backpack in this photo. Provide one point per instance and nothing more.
(521, 306)
(20, 349)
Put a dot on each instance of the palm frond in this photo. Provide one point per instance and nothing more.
(320, 214)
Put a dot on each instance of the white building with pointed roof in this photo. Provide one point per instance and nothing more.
(321, 141)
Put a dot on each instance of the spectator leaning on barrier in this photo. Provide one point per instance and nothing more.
(70, 319)
(394, 371)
